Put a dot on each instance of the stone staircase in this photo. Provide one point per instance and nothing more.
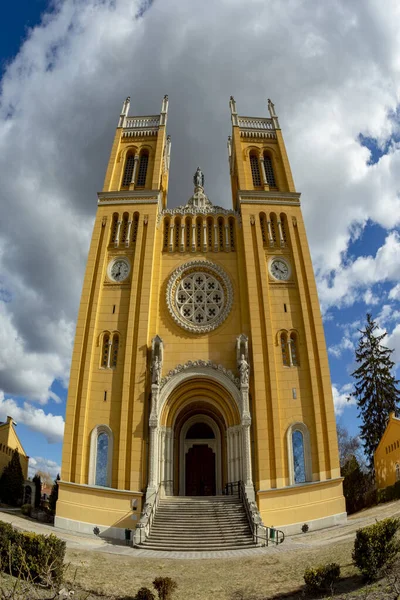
(199, 523)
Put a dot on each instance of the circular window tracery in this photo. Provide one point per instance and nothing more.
(199, 296)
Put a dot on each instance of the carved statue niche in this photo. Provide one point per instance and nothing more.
(157, 354)
(242, 347)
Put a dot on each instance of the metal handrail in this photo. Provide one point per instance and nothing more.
(262, 535)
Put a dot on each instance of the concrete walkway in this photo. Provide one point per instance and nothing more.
(80, 541)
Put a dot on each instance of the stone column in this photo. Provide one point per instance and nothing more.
(264, 175)
(282, 241)
(216, 241)
(135, 164)
(270, 236)
(171, 236)
(193, 235)
(182, 236)
(227, 241)
(128, 234)
(116, 243)
(204, 235)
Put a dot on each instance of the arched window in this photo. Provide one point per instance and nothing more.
(255, 170)
(210, 234)
(100, 460)
(166, 234)
(221, 234)
(299, 454)
(188, 228)
(299, 466)
(129, 164)
(135, 225)
(293, 350)
(144, 161)
(198, 234)
(269, 171)
(105, 351)
(274, 227)
(263, 228)
(177, 233)
(284, 350)
(114, 228)
(232, 233)
(114, 350)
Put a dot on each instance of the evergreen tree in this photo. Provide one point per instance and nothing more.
(12, 482)
(375, 389)
(54, 494)
(38, 489)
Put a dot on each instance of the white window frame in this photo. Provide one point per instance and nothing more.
(307, 451)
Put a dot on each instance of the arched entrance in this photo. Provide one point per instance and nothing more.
(196, 440)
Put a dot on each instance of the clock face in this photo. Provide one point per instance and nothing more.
(280, 269)
(119, 269)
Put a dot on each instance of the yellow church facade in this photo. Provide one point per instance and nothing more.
(199, 358)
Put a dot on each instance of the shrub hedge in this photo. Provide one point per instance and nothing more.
(322, 577)
(34, 557)
(375, 547)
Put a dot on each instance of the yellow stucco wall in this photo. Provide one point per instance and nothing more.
(9, 441)
(387, 454)
(138, 311)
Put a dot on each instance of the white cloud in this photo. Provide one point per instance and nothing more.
(340, 397)
(50, 426)
(394, 293)
(349, 281)
(38, 463)
(345, 344)
(336, 76)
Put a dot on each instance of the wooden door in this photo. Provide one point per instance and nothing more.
(200, 471)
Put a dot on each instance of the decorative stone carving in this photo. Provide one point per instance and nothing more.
(198, 178)
(199, 363)
(242, 348)
(199, 296)
(244, 370)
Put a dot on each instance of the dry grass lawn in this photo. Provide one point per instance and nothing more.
(278, 572)
(265, 576)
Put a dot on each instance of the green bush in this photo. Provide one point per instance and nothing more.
(375, 547)
(38, 558)
(26, 509)
(165, 587)
(144, 594)
(322, 577)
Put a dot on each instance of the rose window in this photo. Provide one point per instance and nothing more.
(199, 296)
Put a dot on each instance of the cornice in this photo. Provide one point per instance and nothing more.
(274, 197)
(129, 197)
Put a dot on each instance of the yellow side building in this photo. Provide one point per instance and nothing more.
(387, 455)
(200, 357)
(9, 442)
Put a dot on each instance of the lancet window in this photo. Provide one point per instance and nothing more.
(100, 461)
(299, 454)
(114, 228)
(255, 170)
(129, 166)
(141, 178)
(269, 171)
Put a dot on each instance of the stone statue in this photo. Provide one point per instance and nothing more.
(156, 371)
(198, 178)
(244, 370)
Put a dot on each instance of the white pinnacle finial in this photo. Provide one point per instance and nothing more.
(232, 106)
(271, 108)
(124, 112)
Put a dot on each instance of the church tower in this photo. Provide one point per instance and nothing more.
(199, 358)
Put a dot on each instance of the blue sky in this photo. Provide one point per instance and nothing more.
(334, 85)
